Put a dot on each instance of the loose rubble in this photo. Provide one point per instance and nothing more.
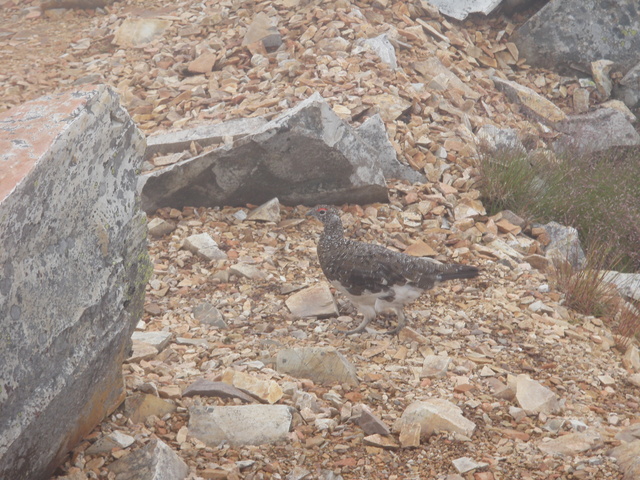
(226, 319)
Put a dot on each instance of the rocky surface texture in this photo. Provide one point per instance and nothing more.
(517, 385)
(573, 33)
(73, 266)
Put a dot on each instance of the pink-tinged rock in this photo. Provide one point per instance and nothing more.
(73, 266)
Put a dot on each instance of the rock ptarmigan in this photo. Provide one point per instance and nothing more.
(374, 278)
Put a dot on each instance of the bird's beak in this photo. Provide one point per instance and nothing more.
(309, 213)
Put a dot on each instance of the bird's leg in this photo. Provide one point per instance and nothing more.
(368, 316)
(401, 322)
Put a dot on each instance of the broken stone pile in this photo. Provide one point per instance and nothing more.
(236, 369)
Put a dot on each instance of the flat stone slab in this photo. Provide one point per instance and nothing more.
(534, 397)
(159, 340)
(433, 415)
(314, 301)
(572, 443)
(321, 364)
(240, 425)
(109, 442)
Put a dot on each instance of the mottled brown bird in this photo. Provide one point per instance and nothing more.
(374, 278)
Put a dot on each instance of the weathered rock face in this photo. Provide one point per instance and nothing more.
(573, 33)
(73, 268)
(308, 155)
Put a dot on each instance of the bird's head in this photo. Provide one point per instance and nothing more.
(324, 213)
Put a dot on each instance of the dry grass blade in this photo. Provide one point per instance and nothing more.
(628, 326)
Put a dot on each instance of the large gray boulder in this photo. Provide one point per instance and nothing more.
(73, 269)
(307, 155)
(595, 131)
(570, 34)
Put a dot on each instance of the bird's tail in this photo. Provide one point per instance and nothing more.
(458, 271)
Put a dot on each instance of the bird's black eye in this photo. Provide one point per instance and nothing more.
(322, 211)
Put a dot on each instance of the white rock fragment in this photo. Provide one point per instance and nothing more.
(459, 9)
(534, 397)
(202, 244)
(248, 271)
(137, 31)
(159, 227)
(435, 415)
(267, 212)
(321, 364)
(435, 366)
(383, 48)
(314, 301)
(466, 464)
(159, 340)
(240, 425)
(571, 443)
(109, 442)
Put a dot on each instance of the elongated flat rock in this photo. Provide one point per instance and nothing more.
(321, 364)
(240, 425)
(207, 388)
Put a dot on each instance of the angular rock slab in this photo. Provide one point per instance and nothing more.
(240, 425)
(571, 34)
(533, 104)
(73, 269)
(595, 131)
(434, 415)
(572, 443)
(314, 301)
(323, 365)
(534, 397)
(155, 461)
(628, 457)
(307, 155)
(266, 390)
(564, 245)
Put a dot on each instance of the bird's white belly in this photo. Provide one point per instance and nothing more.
(403, 294)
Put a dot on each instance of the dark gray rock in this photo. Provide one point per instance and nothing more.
(374, 133)
(369, 422)
(628, 88)
(240, 425)
(595, 131)
(307, 155)
(73, 270)
(207, 388)
(568, 35)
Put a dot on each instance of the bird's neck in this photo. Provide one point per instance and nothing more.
(333, 229)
